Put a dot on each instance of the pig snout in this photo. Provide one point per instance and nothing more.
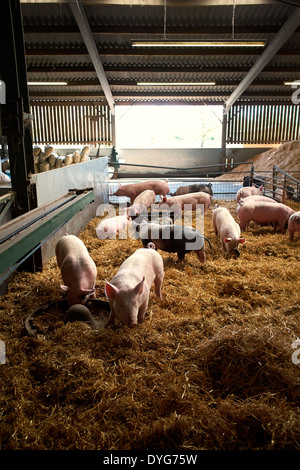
(236, 252)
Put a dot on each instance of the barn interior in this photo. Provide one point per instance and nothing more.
(217, 356)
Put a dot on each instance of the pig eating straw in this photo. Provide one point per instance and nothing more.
(128, 291)
(263, 214)
(228, 230)
(142, 203)
(78, 270)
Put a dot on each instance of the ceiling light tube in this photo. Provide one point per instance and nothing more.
(198, 43)
(176, 83)
(47, 83)
(295, 82)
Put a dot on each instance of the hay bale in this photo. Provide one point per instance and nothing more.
(85, 150)
(36, 150)
(76, 157)
(41, 158)
(45, 166)
(48, 150)
(52, 160)
(60, 162)
(84, 158)
(68, 160)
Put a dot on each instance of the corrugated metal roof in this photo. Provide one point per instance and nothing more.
(56, 50)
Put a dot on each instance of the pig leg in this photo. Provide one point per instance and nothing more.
(158, 284)
(180, 257)
(142, 311)
(201, 255)
(275, 223)
(244, 226)
(291, 234)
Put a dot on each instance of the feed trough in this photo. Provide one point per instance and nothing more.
(50, 316)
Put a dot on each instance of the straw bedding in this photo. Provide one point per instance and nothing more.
(286, 156)
(210, 368)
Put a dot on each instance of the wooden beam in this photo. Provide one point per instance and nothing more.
(186, 68)
(284, 33)
(85, 30)
(138, 93)
(191, 30)
(176, 3)
(159, 51)
(139, 51)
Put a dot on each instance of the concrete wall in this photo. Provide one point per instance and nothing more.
(54, 183)
(181, 158)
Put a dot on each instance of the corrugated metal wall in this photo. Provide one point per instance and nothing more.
(263, 124)
(80, 123)
(69, 123)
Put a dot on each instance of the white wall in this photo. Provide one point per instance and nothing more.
(181, 158)
(55, 183)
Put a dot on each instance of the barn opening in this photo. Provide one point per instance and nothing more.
(169, 126)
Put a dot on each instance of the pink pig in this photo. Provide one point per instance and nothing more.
(191, 198)
(78, 270)
(108, 227)
(294, 224)
(128, 291)
(229, 231)
(142, 202)
(262, 213)
(248, 191)
(256, 198)
(132, 190)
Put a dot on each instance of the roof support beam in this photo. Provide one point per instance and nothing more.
(284, 33)
(85, 30)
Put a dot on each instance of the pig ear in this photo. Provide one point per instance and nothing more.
(139, 287)
(227, 239)
(110, 290)
(120, 186)
(242, 240)
(64, 288)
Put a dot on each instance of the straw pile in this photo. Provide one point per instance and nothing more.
(286, 156)
(210, 368)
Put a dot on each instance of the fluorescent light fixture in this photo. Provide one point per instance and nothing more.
(295, 82)
(198, 43)
(48, 83)
(176, 83)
